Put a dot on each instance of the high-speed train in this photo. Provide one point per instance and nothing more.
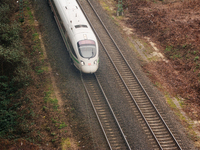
(77, 34)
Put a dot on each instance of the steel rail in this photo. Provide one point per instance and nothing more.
(136, 80)
(122, 78)
(113, 113)
(111, 110)
(96, 112)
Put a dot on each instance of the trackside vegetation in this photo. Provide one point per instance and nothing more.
(14, 72)
(30, 116)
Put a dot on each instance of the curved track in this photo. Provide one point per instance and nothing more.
(156, 129)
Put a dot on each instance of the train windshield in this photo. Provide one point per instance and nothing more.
(87, 48)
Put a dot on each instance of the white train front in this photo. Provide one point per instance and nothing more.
(77, 34)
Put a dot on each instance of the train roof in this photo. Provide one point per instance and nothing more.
(75, 17)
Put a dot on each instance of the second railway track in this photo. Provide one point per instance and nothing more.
(156, 129)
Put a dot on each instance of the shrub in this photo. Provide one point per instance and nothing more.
(13, 73)
(8, 114)
(9, 34)
(4, 11)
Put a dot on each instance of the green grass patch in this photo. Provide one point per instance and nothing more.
(39, 70)
(177, 112)
(62, 125)
(35, 35)
(49, 99)
(181, 102)
(196, 58)
(66, 144)
(170, 102)
(54, 121)
(31, 19)
(53, 133)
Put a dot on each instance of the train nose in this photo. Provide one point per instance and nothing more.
(89, 69)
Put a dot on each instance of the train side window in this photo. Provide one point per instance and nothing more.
(80, 26)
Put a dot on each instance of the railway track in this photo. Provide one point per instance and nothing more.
(155, 127)
(106, 117)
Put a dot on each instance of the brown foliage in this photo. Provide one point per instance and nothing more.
(176, 27)
(18, 144)
(170, 24)
(176, 78)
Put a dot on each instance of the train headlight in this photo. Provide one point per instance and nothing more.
(95, 62)
(82, 63)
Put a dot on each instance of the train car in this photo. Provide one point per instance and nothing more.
(77, 34)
